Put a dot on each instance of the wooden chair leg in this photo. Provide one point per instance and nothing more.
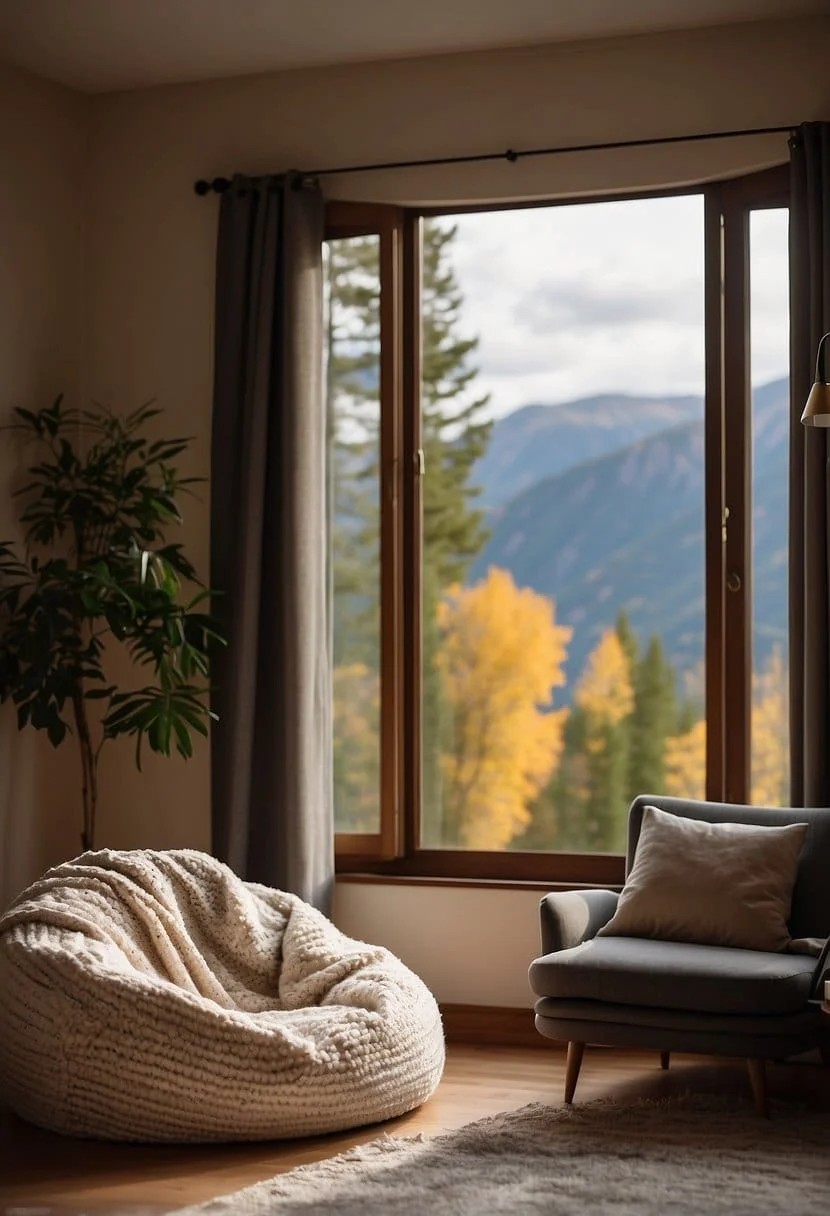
(572, 1067)
(665, 1056)
(756, 1067)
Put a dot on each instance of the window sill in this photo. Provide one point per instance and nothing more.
(498, 884)
(545, 871)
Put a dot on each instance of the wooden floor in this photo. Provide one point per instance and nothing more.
(53, 1174)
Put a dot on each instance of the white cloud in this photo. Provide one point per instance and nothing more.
(769, 294)
(607, 297)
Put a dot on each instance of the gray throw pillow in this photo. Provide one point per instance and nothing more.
(720, 884)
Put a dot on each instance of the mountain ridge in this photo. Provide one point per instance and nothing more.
(625, 529)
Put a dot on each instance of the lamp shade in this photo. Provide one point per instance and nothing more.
(817, 409)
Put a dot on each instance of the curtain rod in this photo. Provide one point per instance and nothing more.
(218, 185)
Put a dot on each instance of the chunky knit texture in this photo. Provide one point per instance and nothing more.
(155, 996)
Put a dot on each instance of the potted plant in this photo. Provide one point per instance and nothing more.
(97, 571)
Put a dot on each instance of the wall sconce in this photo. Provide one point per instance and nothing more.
(817, 409)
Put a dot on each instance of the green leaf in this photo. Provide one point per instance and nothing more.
(116, 577)
(100, 694)
(56, 730)
(184, 745)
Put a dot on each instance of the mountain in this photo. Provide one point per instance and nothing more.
(626, 529)
(539, 441)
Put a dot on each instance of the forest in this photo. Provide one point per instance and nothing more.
(512, 758)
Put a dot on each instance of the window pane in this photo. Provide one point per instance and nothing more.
(352, 353)
(770, 333)
(563, 581)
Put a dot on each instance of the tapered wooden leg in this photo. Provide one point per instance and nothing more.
(574, 1063)
(665, 1056)
(756, 1068)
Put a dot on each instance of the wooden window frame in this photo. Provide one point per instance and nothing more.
(395, 850)
(363, 219)
(729, 205)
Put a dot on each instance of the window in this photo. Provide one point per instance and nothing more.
(541, 454)
(769, 355)
(352, 364)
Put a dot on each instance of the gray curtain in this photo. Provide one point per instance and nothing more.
(809, 484)
(271, 748)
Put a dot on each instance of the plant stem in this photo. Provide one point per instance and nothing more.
(89, 770)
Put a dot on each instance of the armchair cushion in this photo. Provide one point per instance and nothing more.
(726, 884)
(676, 975)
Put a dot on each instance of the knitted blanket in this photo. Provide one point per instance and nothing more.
(155, 996)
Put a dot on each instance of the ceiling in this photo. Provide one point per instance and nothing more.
(100, 45)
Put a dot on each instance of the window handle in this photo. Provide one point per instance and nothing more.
(420, 463)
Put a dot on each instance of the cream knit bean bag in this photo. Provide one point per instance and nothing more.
(155, 996)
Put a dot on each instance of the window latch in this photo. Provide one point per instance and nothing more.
(420, 463)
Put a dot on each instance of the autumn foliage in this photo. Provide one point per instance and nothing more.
(501, 657)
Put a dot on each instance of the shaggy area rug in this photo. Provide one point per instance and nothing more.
(689, 1155)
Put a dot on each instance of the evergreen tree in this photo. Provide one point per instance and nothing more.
(454, 433)
(584, 806)
(688, 713)
(454, 436)
(628, 639)
(653, 719)
(353, 418)
(558, 818)
(606, 696)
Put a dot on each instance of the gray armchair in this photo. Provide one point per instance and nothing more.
(675, 996)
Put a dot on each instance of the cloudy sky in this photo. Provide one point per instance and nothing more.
(607, 297)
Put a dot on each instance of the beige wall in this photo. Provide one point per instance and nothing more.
(43, 136)
(148, 311)
(471, 946)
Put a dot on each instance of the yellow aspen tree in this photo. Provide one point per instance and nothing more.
(604, 689)
(770, 734)
(500, 657)
(604, 697)
(686, 763)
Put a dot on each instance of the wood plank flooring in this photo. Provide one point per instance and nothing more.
(51, 1174)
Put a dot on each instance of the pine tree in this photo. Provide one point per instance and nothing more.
(557, 816)
(653, 719)
(605, 694)
(628, 639)
(454, 437)
(455, 434)
(611, 754)
(353, 406)
(584, 806)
